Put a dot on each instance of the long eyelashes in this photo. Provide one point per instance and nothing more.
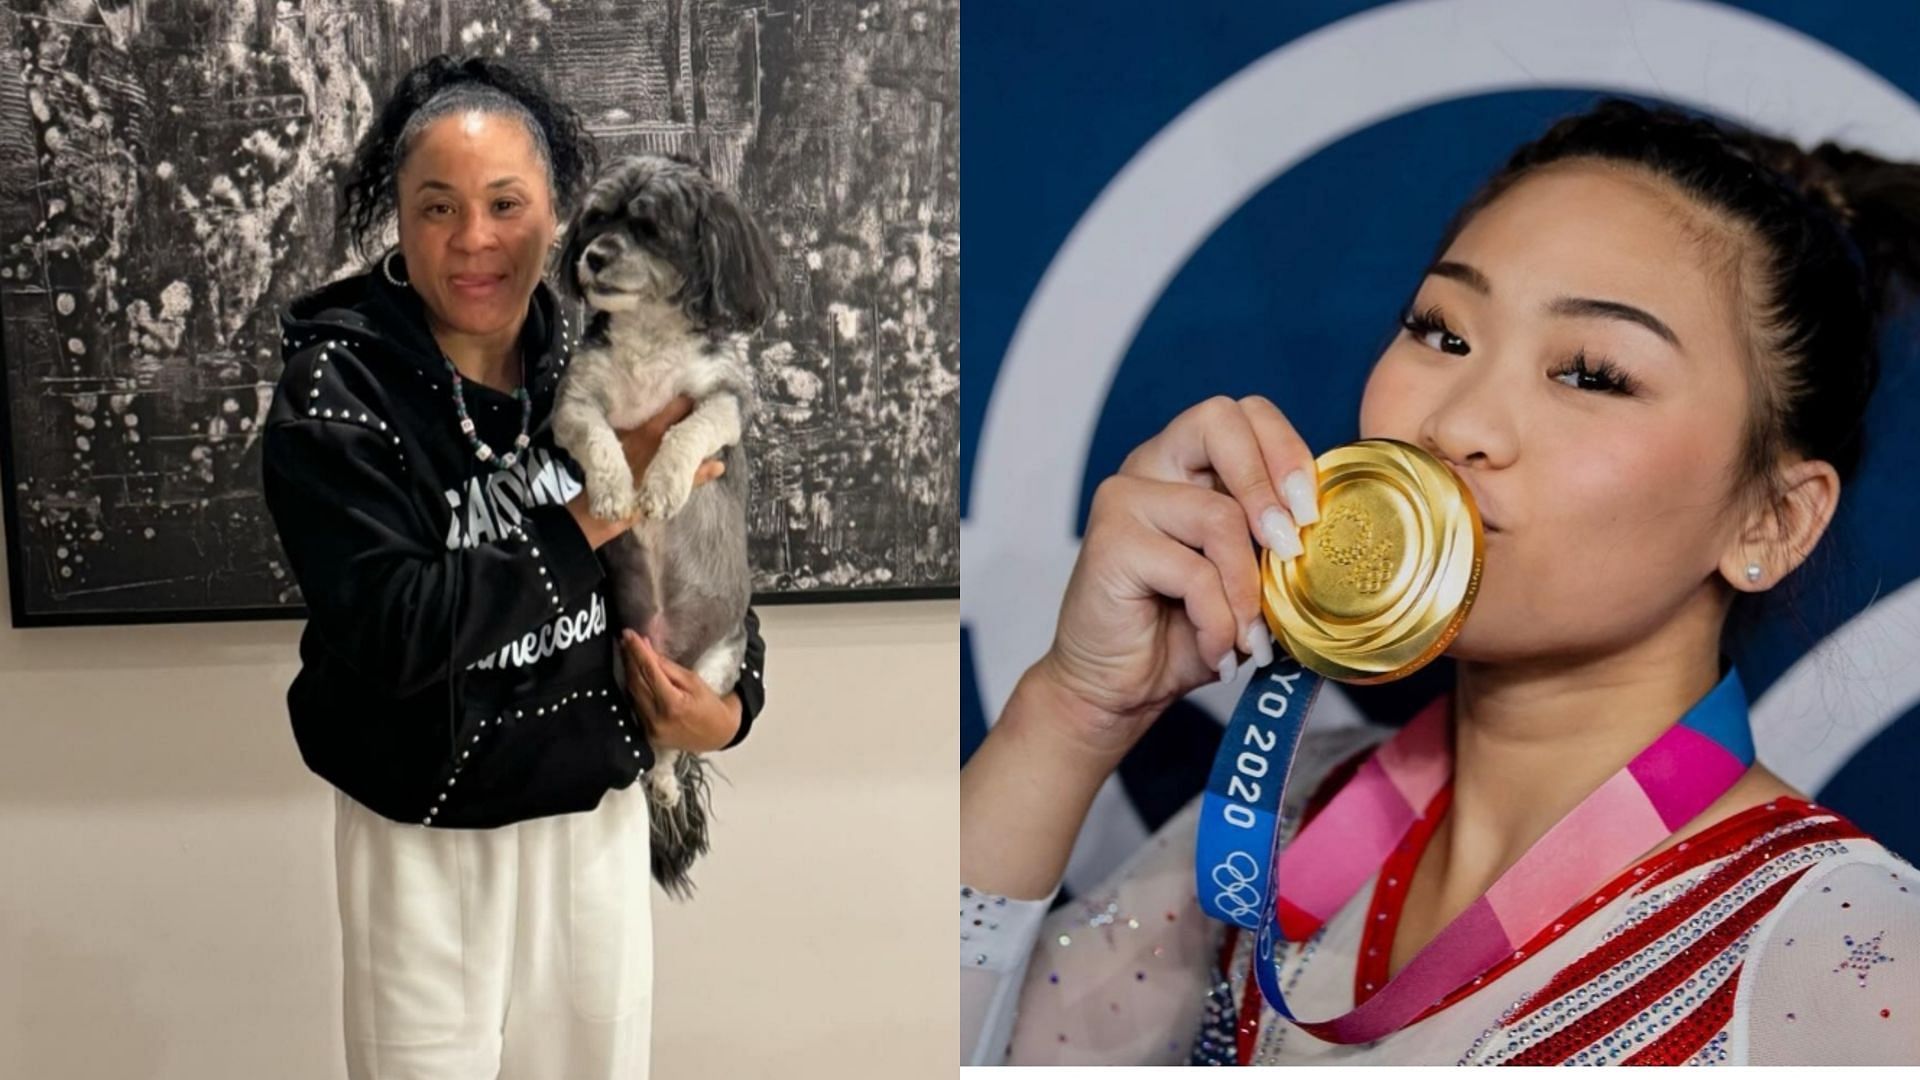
(1595, 374)
(1429, 323)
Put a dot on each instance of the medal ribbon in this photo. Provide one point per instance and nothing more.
(1239, 857)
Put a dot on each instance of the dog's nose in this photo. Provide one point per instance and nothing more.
(595, 261)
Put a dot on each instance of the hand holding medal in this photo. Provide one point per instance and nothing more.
(1165, 597)
(1399, 564)
(1375, 586)
(1389, 572)
(1386, 580)
(1166, 594)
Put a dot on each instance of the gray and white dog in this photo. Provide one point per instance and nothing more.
(676, 275)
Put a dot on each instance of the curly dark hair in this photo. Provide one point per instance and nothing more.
(447, 84)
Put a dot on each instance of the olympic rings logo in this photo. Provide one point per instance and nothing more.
(1239, 897)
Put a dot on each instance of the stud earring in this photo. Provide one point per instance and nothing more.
(1753, 572)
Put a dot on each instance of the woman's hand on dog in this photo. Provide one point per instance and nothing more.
(679, 709)
(643, 442)
(640, 445)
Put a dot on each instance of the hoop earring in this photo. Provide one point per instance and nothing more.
(386, 268)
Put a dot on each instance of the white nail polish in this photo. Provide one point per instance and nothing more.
(1279, 533)
(1259, 643)
(1303, 500)
(1229, 664)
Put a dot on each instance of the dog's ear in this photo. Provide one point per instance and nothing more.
(566, 266)
(603, 197)
(736, 289)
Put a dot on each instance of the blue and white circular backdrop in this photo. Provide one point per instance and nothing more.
(1164, 202)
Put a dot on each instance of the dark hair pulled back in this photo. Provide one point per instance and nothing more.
(1830, 243)
(369, 196)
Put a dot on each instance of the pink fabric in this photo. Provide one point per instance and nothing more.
(1684, 771)
(1419, 760)
(1347, 843)
(1295, 924)
(1471, 943)
(1607, 831)
(1341, 848)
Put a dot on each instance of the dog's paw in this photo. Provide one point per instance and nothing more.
(664, 786)
(611, 503)
(663, 494)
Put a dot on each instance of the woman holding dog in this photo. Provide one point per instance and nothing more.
(459, 682)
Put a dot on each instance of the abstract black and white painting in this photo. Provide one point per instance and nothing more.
(169, 176)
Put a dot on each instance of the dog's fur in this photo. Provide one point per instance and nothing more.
(677, 275)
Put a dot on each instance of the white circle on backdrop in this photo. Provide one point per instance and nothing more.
(1018, 545)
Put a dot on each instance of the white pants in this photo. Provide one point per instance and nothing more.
(522, 953)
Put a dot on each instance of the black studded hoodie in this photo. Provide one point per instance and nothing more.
(459, 664)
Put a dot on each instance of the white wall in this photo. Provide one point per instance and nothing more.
(166, 877)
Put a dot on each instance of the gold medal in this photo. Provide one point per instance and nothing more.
(1390, 569)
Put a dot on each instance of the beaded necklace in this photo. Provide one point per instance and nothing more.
(480, 449)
